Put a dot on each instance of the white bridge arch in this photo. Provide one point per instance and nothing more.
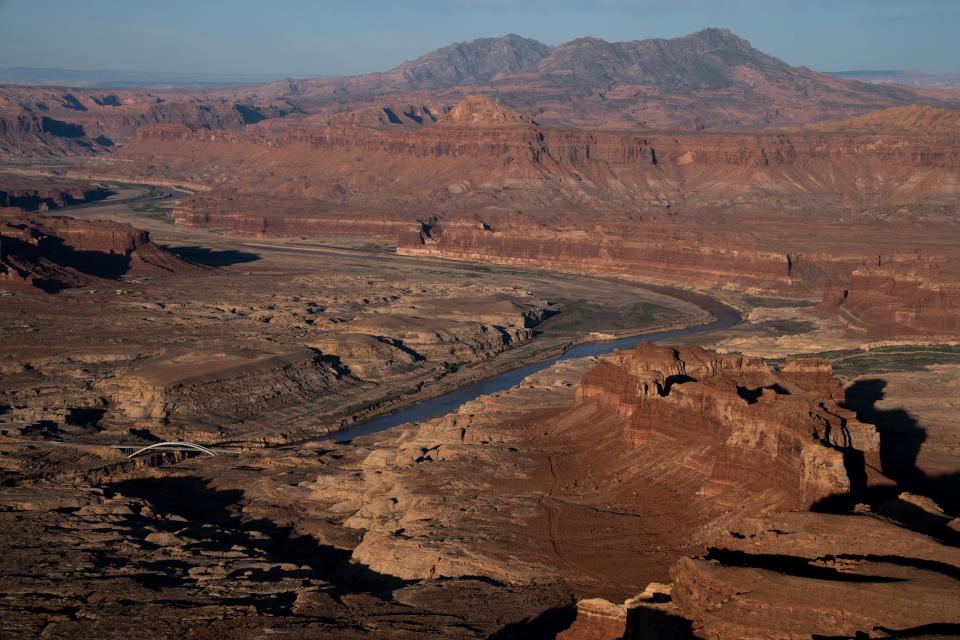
(172, 446)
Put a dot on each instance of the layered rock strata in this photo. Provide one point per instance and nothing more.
(679, 442)
(49, 253)
(866, 209)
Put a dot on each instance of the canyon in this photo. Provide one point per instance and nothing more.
(845, 215)
(649, 339)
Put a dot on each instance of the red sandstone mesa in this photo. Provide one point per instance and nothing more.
(48, 253)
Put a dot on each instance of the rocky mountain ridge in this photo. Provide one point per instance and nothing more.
(711, 79)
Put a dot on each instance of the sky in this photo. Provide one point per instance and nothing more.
(301, 38)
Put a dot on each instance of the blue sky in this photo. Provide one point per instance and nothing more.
(301, 38)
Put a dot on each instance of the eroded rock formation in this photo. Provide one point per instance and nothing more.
(48, 253)
(608, 481)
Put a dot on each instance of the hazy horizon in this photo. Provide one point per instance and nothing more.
(301, 39)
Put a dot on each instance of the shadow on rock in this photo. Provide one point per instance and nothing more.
(213, 257)
(546, 625)
(214, 518)
(901, 439)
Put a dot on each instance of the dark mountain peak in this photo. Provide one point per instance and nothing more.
(716, 37)
(707, 79)
(707, 59)
(476, 61)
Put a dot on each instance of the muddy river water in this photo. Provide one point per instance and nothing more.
(724, 316)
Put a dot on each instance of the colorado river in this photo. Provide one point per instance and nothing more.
(724, 317)
(150, 198)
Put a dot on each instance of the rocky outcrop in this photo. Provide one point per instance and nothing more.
(224, 546)
(49, 253)
(475, 111)
(902, 294)
(680, 441)
(52, 121)
(47, 196)
(783, 433)
(794, 575)
(801, 575)
(204, 395)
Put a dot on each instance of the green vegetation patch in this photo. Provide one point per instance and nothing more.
(851, 363)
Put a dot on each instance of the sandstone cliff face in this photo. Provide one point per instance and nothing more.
(52, 121)
(896, 295)
(766, 430)
(799, 160)
(47, 197)
(801, 575)
(48, 253)
(606, 482)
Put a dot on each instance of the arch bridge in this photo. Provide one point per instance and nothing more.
(166, 446)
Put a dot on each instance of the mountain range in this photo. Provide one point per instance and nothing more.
(708, 79)
(711, 79)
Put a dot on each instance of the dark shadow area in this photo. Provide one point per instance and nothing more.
(901, 439)
(103, 141)
(70, 102)
(60, 128)
(546, 625)
(753, 395)
(334, 362)
(144, 434)
(94, 195)
(212, 257)
(643, 622)
(46, 429)
(111, 100)
(215, 519)
(29, 202)
(856, 467)
(4, 408)
(33, 201)
(392, 117)
(937, 630)
(483, 579)
(396, 342)
(248, 114)
(96, 263)
(85, 417)
(788, 565)
(678, 378)
(101, 264)
(915, 563)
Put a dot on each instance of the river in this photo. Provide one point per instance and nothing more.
(724, 317)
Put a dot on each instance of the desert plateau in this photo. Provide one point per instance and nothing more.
(601, 339)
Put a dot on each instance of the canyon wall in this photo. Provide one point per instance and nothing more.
(759, 423)
(55, 121)
(802, 213)
(48, 253)
(602, 474)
